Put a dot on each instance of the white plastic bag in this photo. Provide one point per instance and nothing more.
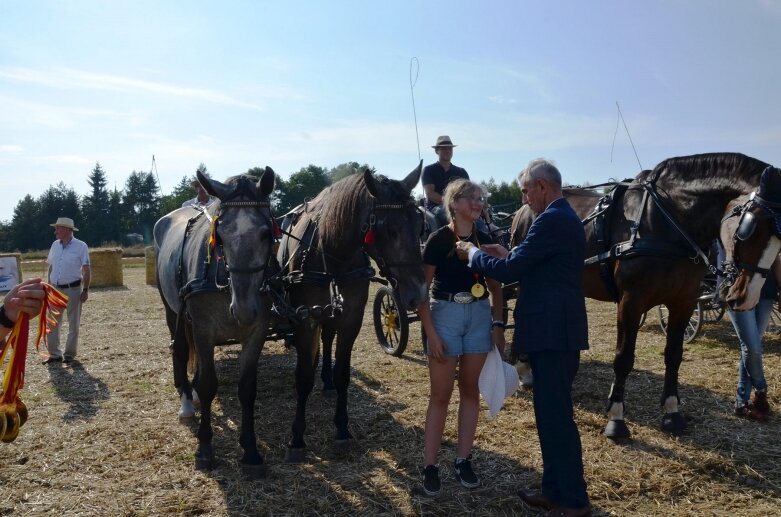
(498, 380)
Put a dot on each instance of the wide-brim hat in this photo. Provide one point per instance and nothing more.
(65, 222)
(444, 141)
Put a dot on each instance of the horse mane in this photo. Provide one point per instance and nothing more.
(708, 166)
(344, 207)
(340, 204)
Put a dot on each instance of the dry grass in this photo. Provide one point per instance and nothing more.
(103, 437)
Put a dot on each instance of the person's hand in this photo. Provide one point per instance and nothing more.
(497, 336)
(84, 295)
(25, 297)
(436, 347)
(495, 250)
(462, 249)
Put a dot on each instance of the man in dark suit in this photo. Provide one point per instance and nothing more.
(551, 328)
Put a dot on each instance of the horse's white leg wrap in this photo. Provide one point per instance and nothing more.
(525, 373)
(616, 411)
(187, 410)
(671, 404)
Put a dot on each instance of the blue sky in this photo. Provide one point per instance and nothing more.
(286, 84)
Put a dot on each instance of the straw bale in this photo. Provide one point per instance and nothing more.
(151, 265)
(106, 267)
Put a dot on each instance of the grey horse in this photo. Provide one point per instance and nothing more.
(211, 265)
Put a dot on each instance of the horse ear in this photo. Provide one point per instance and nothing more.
(371, 183)
(266, 181)
(213, 187)
(413, 177)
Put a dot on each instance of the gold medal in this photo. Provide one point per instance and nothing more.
(478, 290)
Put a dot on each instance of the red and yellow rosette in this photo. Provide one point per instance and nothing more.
(13, 412)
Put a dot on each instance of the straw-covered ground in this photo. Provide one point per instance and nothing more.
(103, 436)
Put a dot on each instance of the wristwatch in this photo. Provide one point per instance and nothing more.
(5, 320)
(497, 323)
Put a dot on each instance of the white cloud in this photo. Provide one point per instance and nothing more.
(69, 78)
(501, 99)
(10, 148)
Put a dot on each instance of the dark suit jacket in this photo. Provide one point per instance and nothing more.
(551, 310)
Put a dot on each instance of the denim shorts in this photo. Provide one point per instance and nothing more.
(464, 328)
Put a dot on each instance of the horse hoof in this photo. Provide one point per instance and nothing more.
(295, 455)
(186, 419)
(253, 471)
(673, 423)
(617, 430)
(204, 464)
(342, 447)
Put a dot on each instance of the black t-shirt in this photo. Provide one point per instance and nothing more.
(452, 274)
(435, 175)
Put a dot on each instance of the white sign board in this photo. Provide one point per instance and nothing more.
(9, 274)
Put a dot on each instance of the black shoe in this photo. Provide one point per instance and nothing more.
(52, 360)
(68, 359)
(465, 474)
(431, 483)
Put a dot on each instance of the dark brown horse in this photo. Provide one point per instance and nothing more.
(326, 273)
(651, 243)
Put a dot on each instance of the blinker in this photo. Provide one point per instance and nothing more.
(746, 226)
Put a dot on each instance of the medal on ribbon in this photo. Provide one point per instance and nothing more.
(478, 289)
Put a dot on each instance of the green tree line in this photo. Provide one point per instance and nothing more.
(118, 217)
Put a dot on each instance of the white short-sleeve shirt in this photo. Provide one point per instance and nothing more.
(66, 261)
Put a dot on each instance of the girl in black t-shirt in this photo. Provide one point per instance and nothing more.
(461, 327)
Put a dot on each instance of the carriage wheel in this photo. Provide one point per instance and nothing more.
(712, 312)
(694, 326)
(390, 322)
(774, 325)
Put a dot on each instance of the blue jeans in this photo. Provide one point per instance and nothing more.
(750, 327)
(465, 328)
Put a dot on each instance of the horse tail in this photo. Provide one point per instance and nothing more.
(192, 356)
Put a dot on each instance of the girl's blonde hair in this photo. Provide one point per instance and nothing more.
(456, 190)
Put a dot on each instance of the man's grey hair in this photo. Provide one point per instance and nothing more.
(541, 169)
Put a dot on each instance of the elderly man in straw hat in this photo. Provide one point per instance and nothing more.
(436, 176)
(202, 200)
(69, 272)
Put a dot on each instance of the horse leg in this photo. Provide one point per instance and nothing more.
(307, 339)
(180, 351)
(628, 322)
(672, 421)
(204, 454)
(344, 346)
(326, 372)
(251, 462)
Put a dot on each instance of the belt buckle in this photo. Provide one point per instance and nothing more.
(463, 297)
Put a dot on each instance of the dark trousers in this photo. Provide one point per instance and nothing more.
(562, 456)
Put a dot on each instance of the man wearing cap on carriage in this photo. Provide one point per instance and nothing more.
(202, 199)
(436, 176)
(69, 272)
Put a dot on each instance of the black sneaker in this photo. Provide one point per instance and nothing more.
(465, 474)
(431, 483)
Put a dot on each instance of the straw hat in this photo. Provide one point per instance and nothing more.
(443, 141)
(65, 222)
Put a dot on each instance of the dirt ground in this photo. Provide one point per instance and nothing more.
(103, 436)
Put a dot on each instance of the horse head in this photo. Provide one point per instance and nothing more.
(242, 222)
(393, 233)
(751, 233)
